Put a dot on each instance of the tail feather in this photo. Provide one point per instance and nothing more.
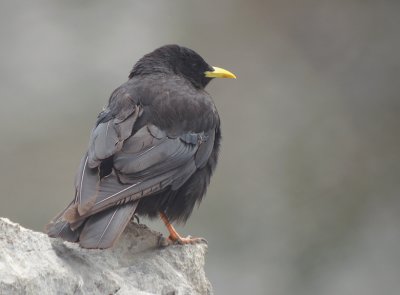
(99, 231)
(62, 229)
(103, 229)
(59, 228)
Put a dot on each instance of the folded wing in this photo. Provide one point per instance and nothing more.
(148, 162)
(138, 165)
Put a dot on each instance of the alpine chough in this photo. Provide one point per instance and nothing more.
(152, 151)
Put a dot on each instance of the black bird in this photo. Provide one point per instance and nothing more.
(152, 151)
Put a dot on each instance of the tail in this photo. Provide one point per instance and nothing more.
(59, 228)
(99, 231)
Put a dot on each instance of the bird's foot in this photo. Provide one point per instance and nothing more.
(187, 240)
(178, 240)
(174, 237)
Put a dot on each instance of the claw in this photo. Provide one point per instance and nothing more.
(187, 240)
(137, 218)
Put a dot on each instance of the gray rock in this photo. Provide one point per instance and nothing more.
(32, 263)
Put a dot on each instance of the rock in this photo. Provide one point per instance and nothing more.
(33, 263)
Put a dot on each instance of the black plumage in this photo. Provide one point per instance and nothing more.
(152, 151)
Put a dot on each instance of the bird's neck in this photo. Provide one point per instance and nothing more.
(148, 66)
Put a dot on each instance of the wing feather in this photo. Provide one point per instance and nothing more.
(144, 163)
(205, 149)
(108, 137)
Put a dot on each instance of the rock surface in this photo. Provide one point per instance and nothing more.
(32, 263)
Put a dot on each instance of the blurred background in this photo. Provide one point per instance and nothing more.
(306, 196)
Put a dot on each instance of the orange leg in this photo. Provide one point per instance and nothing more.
(174, 237)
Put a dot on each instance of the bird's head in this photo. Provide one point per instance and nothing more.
(178, 60)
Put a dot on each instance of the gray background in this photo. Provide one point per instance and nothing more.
(306, 196)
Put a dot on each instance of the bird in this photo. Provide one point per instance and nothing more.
(151, 153)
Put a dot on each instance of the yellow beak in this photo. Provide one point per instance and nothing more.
(219, 73)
